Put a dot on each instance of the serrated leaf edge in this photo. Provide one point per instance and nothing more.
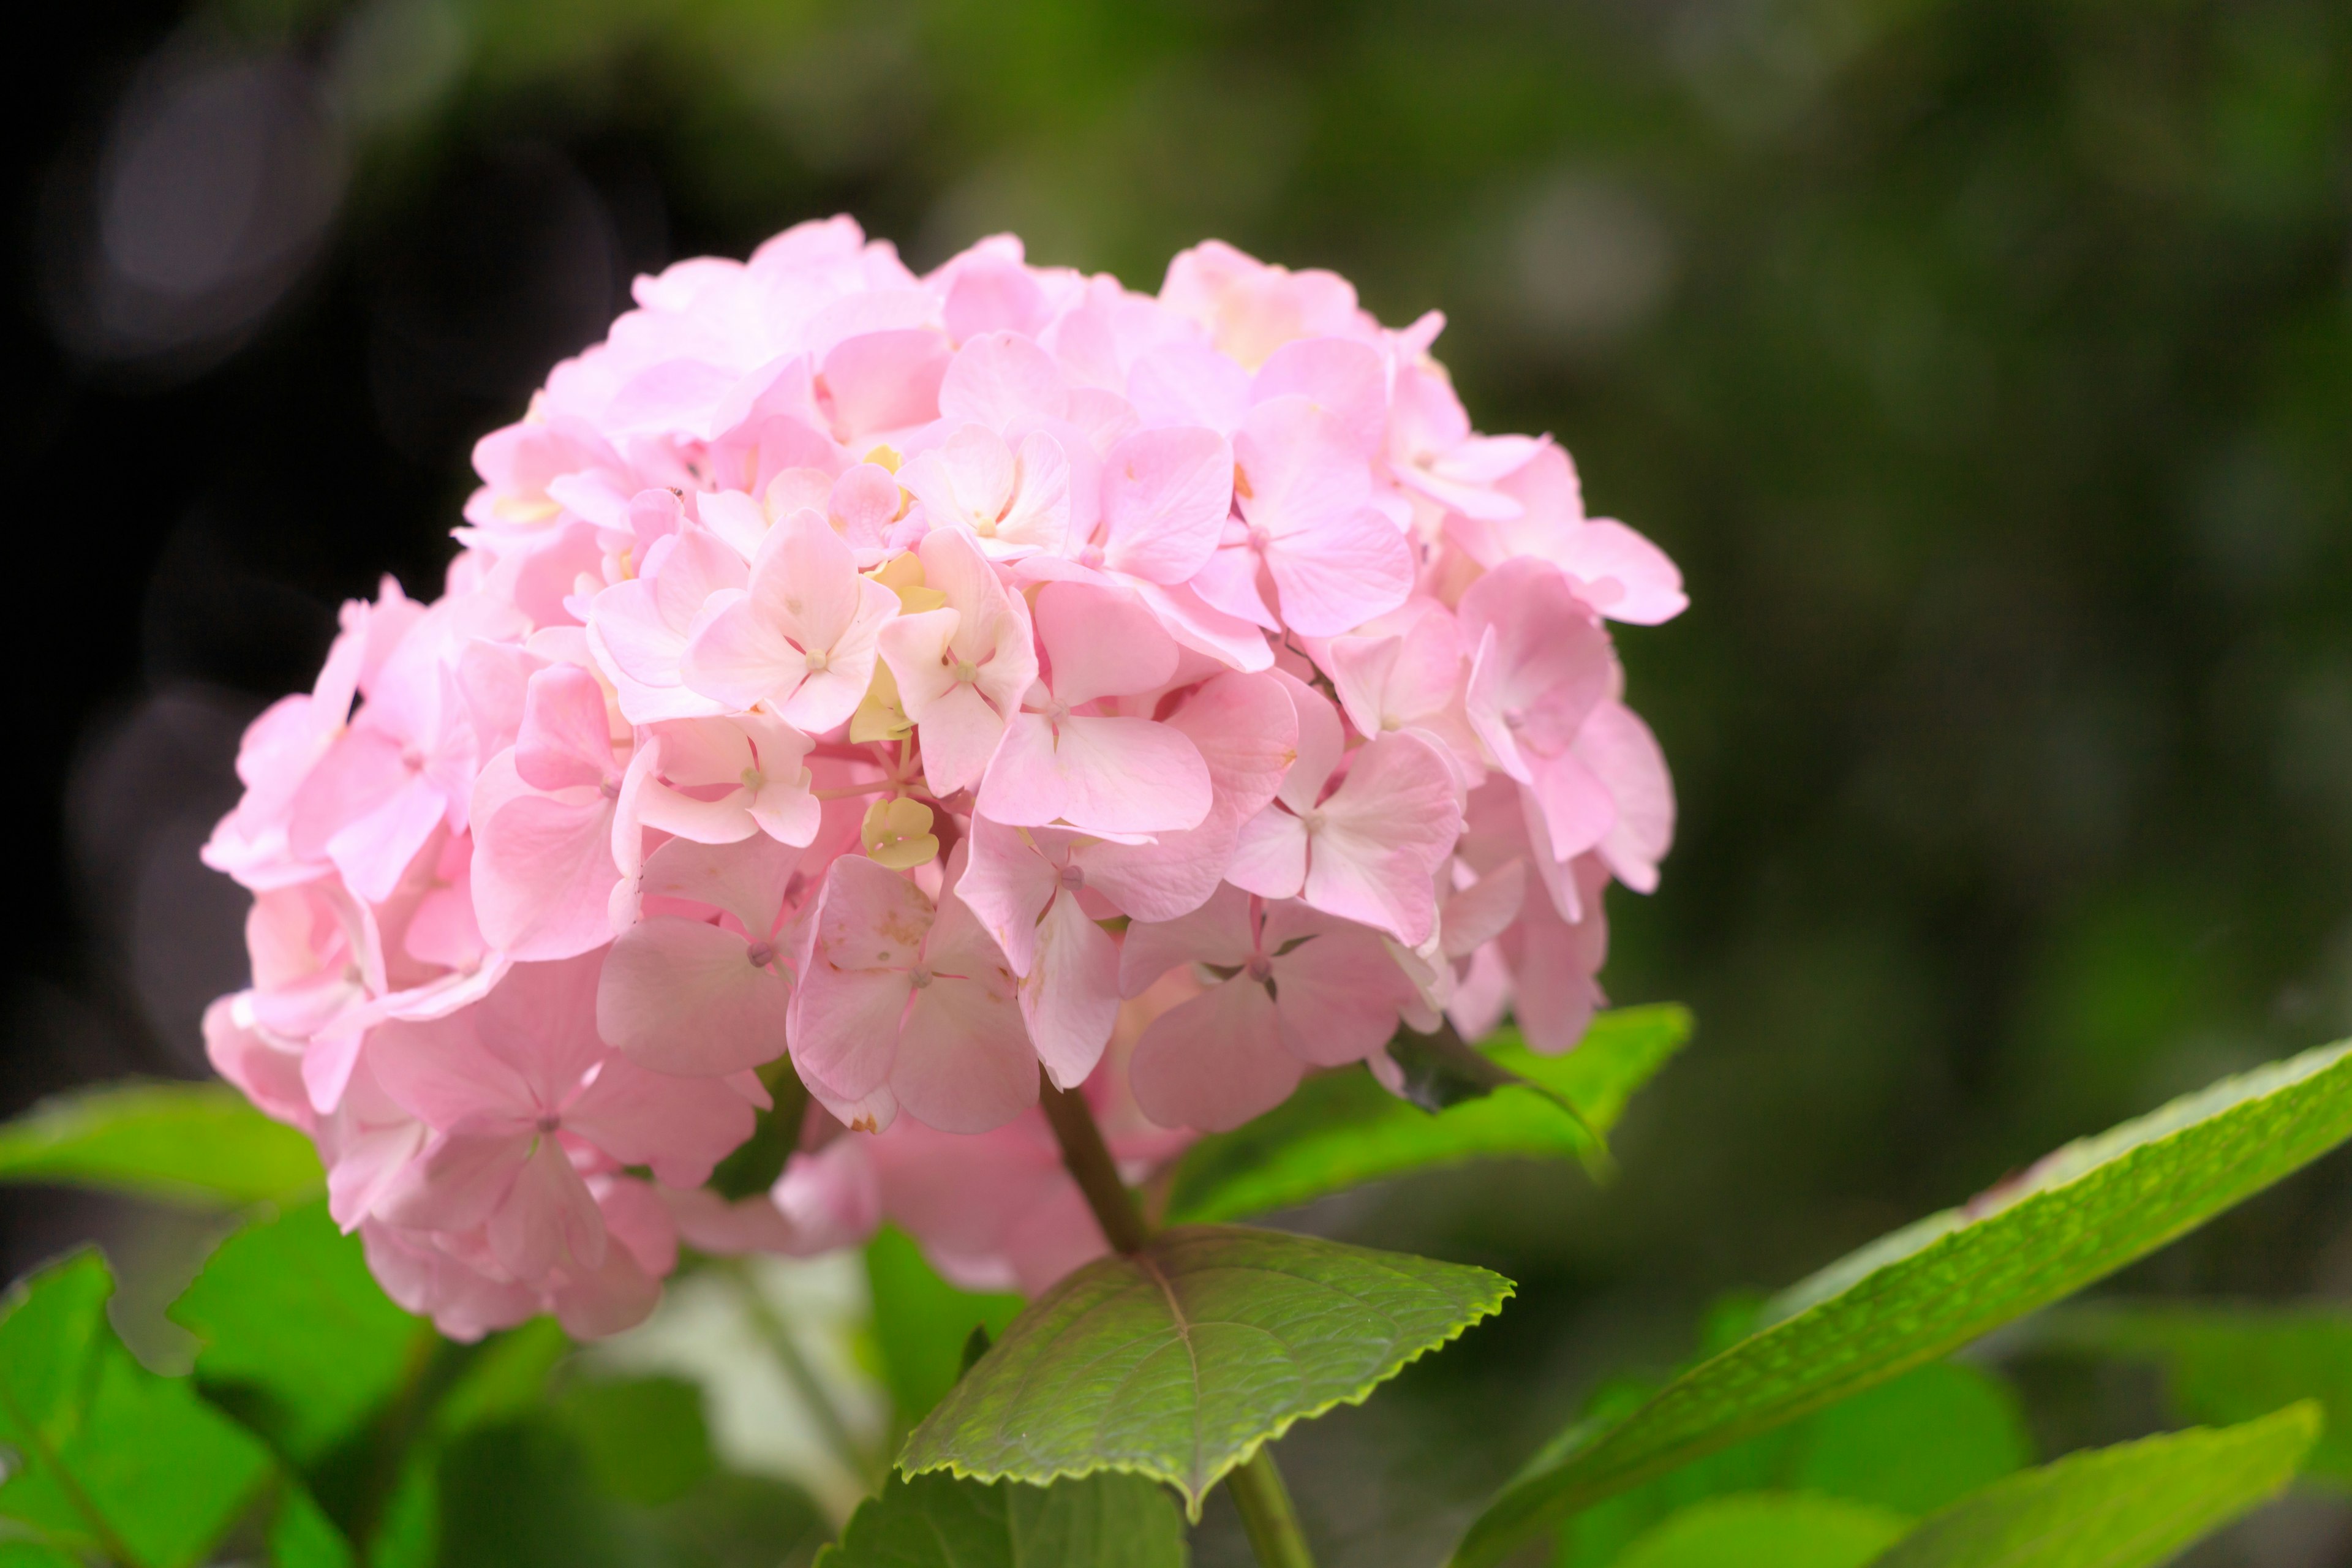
(1484, 1307)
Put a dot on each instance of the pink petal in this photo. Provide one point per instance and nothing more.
(1166, 495)
(1218, 932)
(1098, 774)
(548, 1220)
(543, 871)
(1071, 1001)
(1382, 836)
(998, 376)
(1337, 572)
(884, 380)
(1270, 855)
(1101, 642)
(566, 738)
(679, 996)
(1007, 884)
(1336, 993)
(1216, 1061)
(678, 1126)
(1345, 378)
(964, 1060)
(1622, 754)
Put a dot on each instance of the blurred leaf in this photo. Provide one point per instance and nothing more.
(2226, 1364)
(1909, 1445)
(2079, 1214)
(300, 1342)
(522, 1493)
(517, 1492)
(1913, 1445)
(302, 1536)
(923, 1324)
(2125, 1506)
(507, 1376)
(1341, 1129)
(35, 1554)
(756, 1163)
(742, 1521)
(189, 1142)
(110, 1458)
(1179, 1362)
(1769, 1530)
(644, 1436)
(1107, 1521)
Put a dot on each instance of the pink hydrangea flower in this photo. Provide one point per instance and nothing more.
(928, 686)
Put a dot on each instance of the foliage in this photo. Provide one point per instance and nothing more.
(1818, 1432)
(1340, 1129)
(1105, 1520)
(108, 1458)
(2230, 1363)
(2116, 1508)
(2082, 1213)
(1179, 1362)
(187, 1143)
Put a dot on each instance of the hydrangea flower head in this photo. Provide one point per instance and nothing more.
(927, 687)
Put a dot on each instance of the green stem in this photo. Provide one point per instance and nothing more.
(1257, 1487)
(778, 1337)
(1271, 1523)
(1096, 1174)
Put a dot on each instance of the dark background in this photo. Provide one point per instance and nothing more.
(1987, 366)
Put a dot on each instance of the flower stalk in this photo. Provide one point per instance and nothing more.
(1256, 1489)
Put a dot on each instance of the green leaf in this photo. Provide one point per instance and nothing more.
(742, 1521)
(109, 1457)
(1179, 1362)
(1769, 1530)
(2224, 1364)
(302, 1536)
(523, 1494)
(2123, 1507)
(1341, 1129)
(923, 1324)
(936, 1522)
(644, 1436)
(200, 1143)
(1913, 1445)
(2078, 1214)
(300, 1342)
(1909, 1445)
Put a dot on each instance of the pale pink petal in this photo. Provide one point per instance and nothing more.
(1216, 1061)
(1218, 932)
(1006, 884)
(566, 738)
(1270, 855)
(998, 376)
(1337, 993)
(1622, 754)
(1334, 574)
(543, 871)
(1166, 495)
(549, 1219)
(1100, 642)
(1381, 836)
(881, 381)
(1071, 998)
(964, 1060)
(1343, 377)
(678, 1126)
(1623, 575)
(679, 996)
(1098, 774)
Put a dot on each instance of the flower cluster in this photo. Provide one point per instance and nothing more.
(949, 679)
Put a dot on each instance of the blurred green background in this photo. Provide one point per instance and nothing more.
(1988, 367)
